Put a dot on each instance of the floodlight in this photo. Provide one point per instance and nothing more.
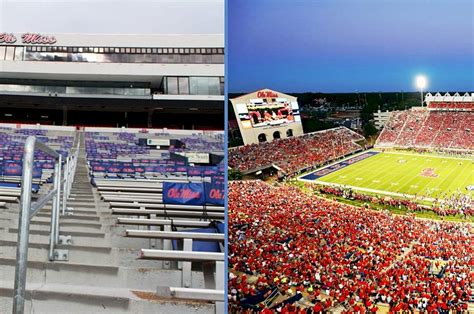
(421, 82)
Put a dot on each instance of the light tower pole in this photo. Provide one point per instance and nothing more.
(421, 83)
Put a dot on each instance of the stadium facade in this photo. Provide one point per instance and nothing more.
(266, 115)
(133, 80)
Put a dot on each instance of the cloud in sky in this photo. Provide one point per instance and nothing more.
(113, 17)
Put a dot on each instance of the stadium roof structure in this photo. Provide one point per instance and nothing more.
(447, 101)
(112, 73)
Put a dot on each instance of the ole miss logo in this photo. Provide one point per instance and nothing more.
(429, 172)
(266, 94)
(28, 38)
(216, 194)
(7, 38)
(183, 194)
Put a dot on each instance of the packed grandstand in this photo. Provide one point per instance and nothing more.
(443, 125)
(296, 154)
(315, 247)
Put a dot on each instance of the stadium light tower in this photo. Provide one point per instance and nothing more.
(421, 83)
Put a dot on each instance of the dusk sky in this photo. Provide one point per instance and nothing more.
(349, 45)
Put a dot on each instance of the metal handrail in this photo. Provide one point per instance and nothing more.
(70, 170)
(28, 211)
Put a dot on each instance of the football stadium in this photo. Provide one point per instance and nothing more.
(324, 222)
(112, 173)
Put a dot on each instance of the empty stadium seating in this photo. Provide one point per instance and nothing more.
(130, 178)
(124, 248)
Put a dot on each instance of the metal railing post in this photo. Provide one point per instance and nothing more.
(23, 228)
(58, 202)
(52, 235)
(66, 185)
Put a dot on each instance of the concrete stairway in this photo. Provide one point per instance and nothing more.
(102, 274)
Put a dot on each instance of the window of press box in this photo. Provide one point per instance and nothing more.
(124, 50)
(193, 86)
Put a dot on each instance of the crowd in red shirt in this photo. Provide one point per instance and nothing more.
(296, 153)
(450, 205)
(432, 129)
(282, 237)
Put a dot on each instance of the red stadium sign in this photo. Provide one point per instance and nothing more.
(28, 38)
(266, 94)
(7, 38)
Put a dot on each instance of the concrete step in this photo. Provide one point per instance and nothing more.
(82, 224)
(44, 244)
(97, 275)
(72, 231)
(78, 210)
(81, 254)
(77, 255)
(87, 191)
(75, 216)
(57, 298)
(44, 239)
(80, 203)
(71, 220)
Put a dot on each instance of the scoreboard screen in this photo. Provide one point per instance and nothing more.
(262, 112)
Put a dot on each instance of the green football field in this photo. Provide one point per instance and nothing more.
(406, 173)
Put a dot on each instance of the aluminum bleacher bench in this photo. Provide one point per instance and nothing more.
(118, 194)
(175, 235)
(156, 199)
(9, 199)
(151, 180)
(166, 206)
(162, 222)
(131, 189)
(128, 194)
(167, 213)
(10, 192)
(183, 256)
(129, 183)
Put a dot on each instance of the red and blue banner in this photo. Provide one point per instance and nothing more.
(183, 193)
(215, 193)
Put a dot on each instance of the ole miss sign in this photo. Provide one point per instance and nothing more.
(28, 38)
(266, 94)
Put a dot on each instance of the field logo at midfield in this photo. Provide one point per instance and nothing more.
(429, 172)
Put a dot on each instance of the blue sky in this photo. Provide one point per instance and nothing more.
(349, 45)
